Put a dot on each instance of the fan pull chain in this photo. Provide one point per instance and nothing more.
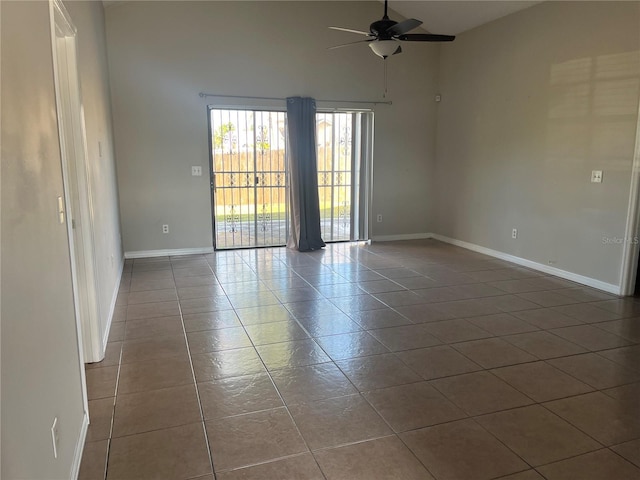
(384, 94)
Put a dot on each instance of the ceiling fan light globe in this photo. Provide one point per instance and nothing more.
(384, 48)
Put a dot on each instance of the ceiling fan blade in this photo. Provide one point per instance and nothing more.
(403, 27)
(425, 37)
(350, 30)
(349, 44)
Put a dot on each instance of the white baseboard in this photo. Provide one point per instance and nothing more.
(574, 277)
(168, 253)
(77, 454)
(404, 236)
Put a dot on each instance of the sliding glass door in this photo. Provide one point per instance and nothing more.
(249, 176)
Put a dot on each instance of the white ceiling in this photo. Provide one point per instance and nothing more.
(451, 17)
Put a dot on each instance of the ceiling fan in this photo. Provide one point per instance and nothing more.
(385, 35)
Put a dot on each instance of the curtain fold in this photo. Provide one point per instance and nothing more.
(303, 170)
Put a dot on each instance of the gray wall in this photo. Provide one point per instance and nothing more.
(40, 364)
(532, 103)
(40, 367)
(162, 54)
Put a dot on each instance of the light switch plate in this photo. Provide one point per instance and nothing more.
(196, 171)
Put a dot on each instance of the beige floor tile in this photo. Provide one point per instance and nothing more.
(238, 395)
(204, 305)
(502, 324)
(628, 328)
(480, 392)
(405, 337)
(541, 381)
(350, 345)
(155, 374)
(383, 459)
(152, 296)
(291, 354)
(101, 382)
(211, 321)
(416, 405)
(275, 332)
(201, 291)
(153, 327)
(144, 284)
(325, 325)
(627, 357)
(380, 318)
(152, 310)
(461, 451)
(546, 318)
(226, 363)
(150, 348)
(155, 410)
(94, 461)
(312, 308)
(116, 332)
(377, 371)
(338, 421)
(196, 281)
(630, 451)
(587, 313)
(437, 362)
(595, 370)
(216, 340)
(526, 475)
(604, 418)
(423, 313)
(493, 352)
(358, 303)
(544, 345)
(252, 438)
(547, 298)
(600, 465)
(537, 435)
(300, 467)
(267, 314)
(380, 286)
(400, 299)
(590, 337)
(311, 383)
(510, 303)
(100, 416)
(457, 330)
(469, 300)
(623, 307)
(179, 452)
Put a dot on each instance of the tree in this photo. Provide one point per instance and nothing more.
(225, 136)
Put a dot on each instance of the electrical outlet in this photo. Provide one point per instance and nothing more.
(55, 439)
(514, 233)
(379, 218)
(196, 171)
(165, 228)
(596, 176)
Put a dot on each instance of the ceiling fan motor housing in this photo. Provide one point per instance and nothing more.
(379, 28)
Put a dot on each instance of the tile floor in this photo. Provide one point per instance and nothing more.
(402, 360)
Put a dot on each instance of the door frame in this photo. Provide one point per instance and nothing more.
(212, 173)
(77, 187)
(631, 245)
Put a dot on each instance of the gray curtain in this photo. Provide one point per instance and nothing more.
(303, 181)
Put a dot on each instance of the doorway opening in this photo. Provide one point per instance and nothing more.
(249, 176)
